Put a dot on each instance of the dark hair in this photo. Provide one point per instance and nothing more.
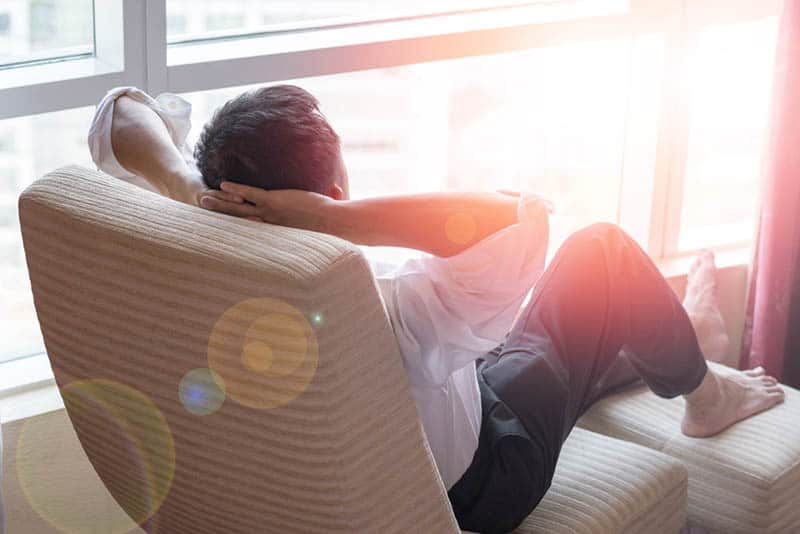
(272, 138)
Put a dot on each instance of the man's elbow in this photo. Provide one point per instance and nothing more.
(124, 117)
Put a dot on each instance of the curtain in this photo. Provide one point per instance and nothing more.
(772, 327)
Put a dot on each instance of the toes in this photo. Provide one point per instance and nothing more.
(775, 395)
(694, 266)
(769, 380)
(756, 371)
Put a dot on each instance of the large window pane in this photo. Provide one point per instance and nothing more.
(731, 75)
(43, 29)
(196, 19)
(549, 121)
(29, 147)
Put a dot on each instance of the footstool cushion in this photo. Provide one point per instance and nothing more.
(743, 480)
(607, 486)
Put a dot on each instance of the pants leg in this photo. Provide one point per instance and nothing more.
(601, 316)
(601, 297)
(506, 479)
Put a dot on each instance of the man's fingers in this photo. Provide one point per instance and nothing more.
(509, 193)
(251, 194)
(231, 208)
(224, 195)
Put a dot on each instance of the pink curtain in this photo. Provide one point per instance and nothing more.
(772, 330)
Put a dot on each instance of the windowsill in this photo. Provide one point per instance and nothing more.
(69, 69)
(677, 266)
(27, 386)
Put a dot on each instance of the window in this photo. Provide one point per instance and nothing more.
(731, 81)
(32, 30)
(23, 158)
(200, 19)
(647, 114)
(527, 123)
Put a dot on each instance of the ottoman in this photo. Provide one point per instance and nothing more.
(607, 486)
(744, 480)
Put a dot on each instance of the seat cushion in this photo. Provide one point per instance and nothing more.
(743, 480)
(607, 486)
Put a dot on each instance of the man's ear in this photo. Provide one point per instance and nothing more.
(336, 192)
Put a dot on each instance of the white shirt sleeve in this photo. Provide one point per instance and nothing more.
(173, 110)
(447, 312)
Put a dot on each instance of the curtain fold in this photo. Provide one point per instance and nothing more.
(772, 329)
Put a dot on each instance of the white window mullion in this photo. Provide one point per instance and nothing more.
(679, 150)
(667, 194)
(155, 40)
(134, 31)
(636, 198)
(145, 54)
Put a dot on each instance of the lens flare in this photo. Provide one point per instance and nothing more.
(202, 391)
(265, 351)
(460, 228)
(124, 433)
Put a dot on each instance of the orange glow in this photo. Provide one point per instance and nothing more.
(460, 228)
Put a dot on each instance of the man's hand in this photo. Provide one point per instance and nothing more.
(287, 207)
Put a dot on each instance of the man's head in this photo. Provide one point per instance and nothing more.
(272, 138)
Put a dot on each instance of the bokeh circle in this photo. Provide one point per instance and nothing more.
(460, 228)
(125, 436)
(265, 351)
(202, 391)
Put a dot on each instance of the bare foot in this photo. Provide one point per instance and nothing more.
(703, 309)
(726, 397)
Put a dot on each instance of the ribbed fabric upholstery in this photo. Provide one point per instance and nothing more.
(606, 486)
(744, 480)
(128, 287)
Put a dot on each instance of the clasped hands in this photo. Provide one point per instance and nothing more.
(286, 207)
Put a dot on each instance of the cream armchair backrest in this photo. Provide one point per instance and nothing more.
(224, 375)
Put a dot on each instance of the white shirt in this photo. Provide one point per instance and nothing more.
(446, 312)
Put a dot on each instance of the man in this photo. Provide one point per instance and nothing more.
(497, 394)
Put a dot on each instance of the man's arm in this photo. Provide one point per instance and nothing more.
(142, 145)
(442, 224)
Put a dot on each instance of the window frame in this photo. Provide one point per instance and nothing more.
(682, 28)
(131, 49)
